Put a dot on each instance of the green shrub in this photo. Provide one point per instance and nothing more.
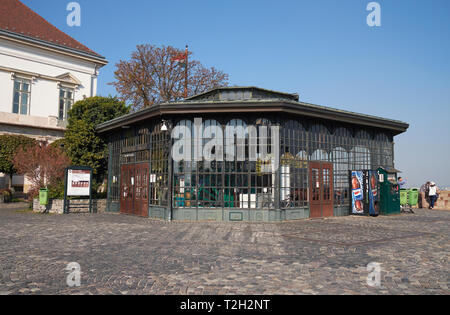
(7, 195)
(81, 143)
(56, 191)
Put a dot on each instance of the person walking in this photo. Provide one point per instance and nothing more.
(433, 194)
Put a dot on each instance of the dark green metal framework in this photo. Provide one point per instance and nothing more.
(235, 191)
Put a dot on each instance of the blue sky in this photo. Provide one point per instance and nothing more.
(322, 49)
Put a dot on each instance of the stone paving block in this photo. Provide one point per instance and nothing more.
(126, 255)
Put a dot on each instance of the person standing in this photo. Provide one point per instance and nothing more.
(433, 194)
(423, 197)
(402, 183)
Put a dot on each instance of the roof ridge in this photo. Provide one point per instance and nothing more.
(30, 13)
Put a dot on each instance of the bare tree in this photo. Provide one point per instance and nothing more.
(155, 74)
(43, 165)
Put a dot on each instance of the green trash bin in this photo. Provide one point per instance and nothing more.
(413, 197)
(43, 197)
(403, 197)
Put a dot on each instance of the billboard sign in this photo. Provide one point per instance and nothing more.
(78, 183)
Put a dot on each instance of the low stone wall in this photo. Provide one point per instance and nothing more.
(80, 206)
(444, 201)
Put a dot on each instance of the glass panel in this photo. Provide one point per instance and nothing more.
(24, 99)
(15, 108)
(61, 109)
(69, 106)
(316, 184)
(24, 104)
(23, 110)
(25, 87)
(17, 85)
(326, 185)
(16, 97)
(61, 93)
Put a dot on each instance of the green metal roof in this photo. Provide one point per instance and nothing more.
(276, 102)
(254, 93)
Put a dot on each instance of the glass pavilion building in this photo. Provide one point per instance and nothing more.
(303, 173)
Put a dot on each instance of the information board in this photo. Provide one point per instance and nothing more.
(78, 183)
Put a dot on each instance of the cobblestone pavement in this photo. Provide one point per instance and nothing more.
(127, 255)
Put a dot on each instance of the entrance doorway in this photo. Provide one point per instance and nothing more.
(134, 189)
(321, 189)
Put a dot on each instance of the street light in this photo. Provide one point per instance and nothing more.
(164, 126)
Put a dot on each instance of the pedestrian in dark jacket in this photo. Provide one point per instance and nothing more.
(424, 189)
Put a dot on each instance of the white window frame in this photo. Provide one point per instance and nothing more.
(21, 94)
(68, 102)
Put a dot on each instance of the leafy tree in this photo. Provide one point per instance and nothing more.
(44, 165)
(58, 144)
(81, 142)
(9, 145)
(154, 75)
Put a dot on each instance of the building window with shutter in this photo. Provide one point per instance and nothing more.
(66, 98)
(21, 98)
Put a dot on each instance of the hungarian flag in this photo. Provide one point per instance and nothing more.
(181, 58)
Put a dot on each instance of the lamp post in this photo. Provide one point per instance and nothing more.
(167, 126)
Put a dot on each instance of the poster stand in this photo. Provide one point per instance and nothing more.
(77, 183)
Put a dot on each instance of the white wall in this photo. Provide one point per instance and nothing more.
(6, 92)
(41, 122)
(44, 93)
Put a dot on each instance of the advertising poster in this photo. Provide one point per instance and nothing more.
(78, 183)
(357, 193)
(374, 206)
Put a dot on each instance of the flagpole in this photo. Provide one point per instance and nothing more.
(186, 73)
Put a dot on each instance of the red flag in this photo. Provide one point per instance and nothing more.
(181, 58)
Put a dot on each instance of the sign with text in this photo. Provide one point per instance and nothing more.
(78, 183)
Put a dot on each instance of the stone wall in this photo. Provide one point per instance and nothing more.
(80, 206)
(444, 201)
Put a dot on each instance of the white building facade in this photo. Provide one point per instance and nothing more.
(41, 76)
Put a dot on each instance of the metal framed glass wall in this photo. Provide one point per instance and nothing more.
(233, 181)
(346, 147)
(241, 184)
(159, 166)
(294, 165)
(137, 145)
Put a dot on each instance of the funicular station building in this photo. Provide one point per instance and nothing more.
(304, 173)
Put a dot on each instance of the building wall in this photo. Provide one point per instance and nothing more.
(44, 92)
(41, 67)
